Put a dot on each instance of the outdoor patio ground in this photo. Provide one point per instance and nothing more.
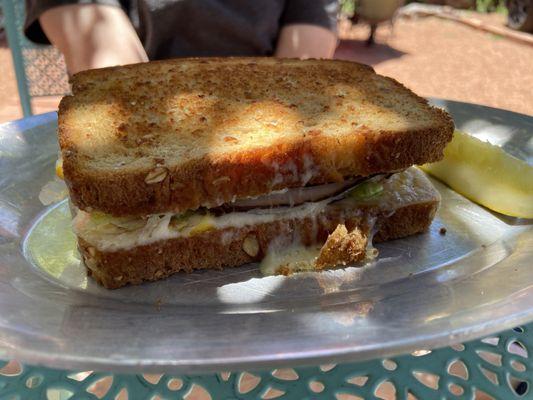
(432, 56)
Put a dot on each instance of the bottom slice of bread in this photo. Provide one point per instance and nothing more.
(235, 246)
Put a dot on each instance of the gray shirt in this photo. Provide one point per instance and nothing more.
(196, 28)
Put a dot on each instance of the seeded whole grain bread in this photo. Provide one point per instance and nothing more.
(213, 249)
(342, 247)
(178, 134)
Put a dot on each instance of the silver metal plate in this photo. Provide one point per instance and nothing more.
(428, 290)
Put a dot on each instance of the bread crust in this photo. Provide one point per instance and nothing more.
(225, 248)
(309, 157)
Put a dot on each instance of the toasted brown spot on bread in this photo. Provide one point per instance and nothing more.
(342, 247)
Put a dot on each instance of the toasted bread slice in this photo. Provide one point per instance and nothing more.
(407, 206)
(210, 250)
(179, 134)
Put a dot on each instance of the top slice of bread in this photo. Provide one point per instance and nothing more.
(179, 134)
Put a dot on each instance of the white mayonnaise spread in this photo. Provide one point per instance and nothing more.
(109, 233)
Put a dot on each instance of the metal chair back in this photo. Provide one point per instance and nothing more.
(40, 69)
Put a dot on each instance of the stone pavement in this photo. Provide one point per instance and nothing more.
(433, 57)
(441, 58)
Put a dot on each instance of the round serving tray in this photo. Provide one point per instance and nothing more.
(425, 291)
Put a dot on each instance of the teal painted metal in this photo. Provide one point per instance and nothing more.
(14, 42)
(40, 69)
(500, 367)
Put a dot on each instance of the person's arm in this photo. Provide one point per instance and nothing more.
(305, 41)
(92, 36)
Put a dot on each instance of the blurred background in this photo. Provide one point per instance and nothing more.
(478, 51)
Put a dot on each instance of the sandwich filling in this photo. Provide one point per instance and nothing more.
(379, 194)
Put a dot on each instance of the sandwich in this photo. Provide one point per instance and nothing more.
(190, 164)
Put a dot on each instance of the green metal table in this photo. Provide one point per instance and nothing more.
(497, 367)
